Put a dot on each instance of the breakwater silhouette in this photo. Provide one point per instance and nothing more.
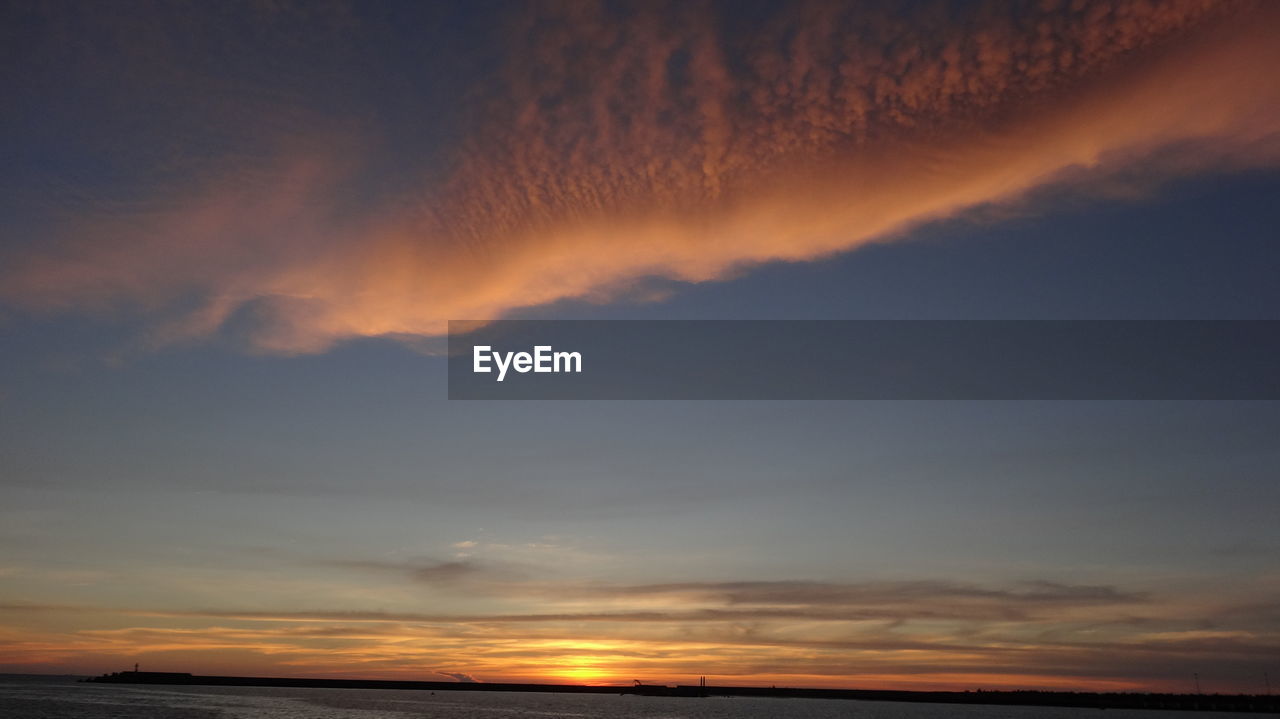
(1094, 700)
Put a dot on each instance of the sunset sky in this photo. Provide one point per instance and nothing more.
(232, 236)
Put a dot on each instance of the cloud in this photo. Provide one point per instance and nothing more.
(459, 573)
(878, 593)
(428, 571)
(933, 633)
(460, 676)
(686, 142)
(724, 602)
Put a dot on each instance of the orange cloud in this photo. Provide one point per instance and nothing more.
(673, 143)
(900, 634)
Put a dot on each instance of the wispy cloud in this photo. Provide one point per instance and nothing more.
(425, 571)
(893, 593)
(692, 145)
(722, 601)
(1047, 634)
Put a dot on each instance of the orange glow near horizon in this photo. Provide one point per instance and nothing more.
(326, 649)
(215, 658)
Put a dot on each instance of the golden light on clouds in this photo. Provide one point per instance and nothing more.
(671, 151)
(886, 635)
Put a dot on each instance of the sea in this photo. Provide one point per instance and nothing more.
(46, 697)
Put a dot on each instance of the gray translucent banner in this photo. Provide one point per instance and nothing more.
(864, 359)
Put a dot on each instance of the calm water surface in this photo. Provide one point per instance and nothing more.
(63, 698)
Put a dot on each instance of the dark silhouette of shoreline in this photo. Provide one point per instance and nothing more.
(1093, 700)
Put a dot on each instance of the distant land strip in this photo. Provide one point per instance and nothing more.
(1256, 703)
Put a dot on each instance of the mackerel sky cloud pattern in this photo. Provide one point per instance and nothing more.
(617, 143)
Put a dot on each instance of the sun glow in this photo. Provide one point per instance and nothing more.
(582, 669)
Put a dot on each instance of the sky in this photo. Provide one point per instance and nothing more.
(232, 236)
